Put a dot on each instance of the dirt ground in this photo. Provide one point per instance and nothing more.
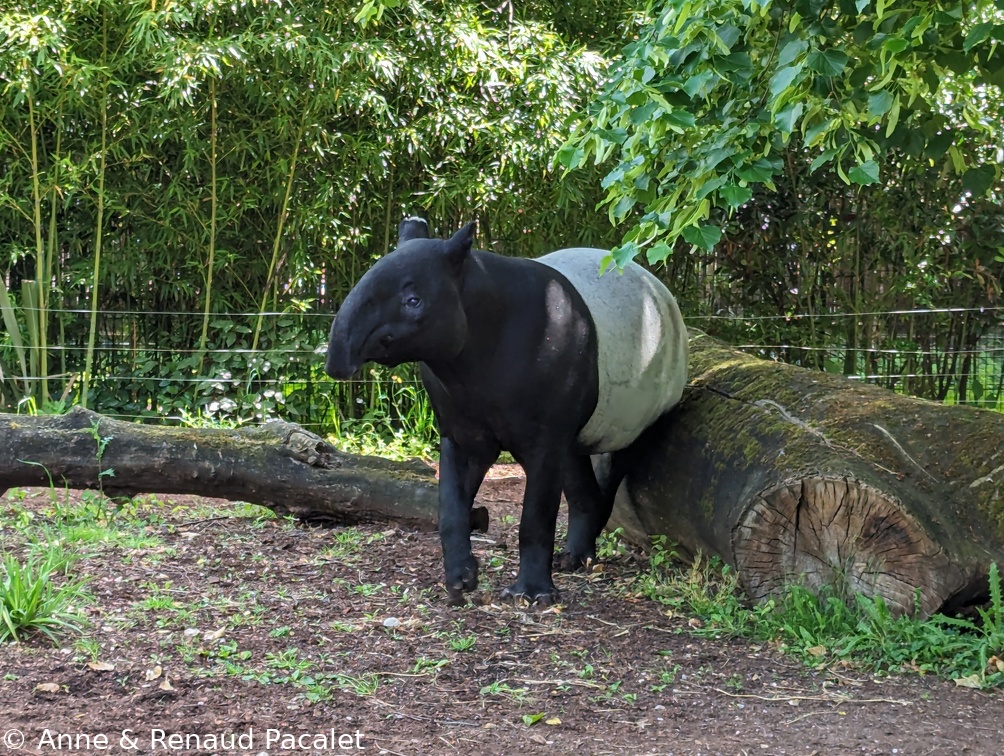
(209, 624)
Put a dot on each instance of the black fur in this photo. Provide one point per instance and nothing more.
(508, 355)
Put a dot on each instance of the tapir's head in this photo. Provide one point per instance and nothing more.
(407, 307)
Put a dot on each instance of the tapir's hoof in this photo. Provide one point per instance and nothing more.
(540, 596)
(568, 562)
(461, 580)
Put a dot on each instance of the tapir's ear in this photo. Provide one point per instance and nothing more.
(459, 245)
(412, 228)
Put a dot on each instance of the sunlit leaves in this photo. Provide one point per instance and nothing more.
(328, 127)
(714, 91)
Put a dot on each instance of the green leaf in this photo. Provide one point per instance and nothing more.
(709, 186)
(866, 173)
(828, 62)
(783, 79)
(977, 34)
(735, 195)
(705, 237)
(681, 118)
(792, 50)
(571, 155)
(787, 119)
(895, 45)
(978, 180)
(625, 253)
(698, 83)
(879, 103)
(824, 157)
(531, 719)
(760, 172)
(658, 252)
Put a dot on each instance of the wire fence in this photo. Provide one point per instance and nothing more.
(148, 365)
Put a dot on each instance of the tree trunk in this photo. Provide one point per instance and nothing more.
(278, 465)
(798, 476)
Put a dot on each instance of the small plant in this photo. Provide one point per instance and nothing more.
(102, 444)
(463, 643)
(423, 665)
(31, 601)
(363, 685)
(611, 545)
(519, 695)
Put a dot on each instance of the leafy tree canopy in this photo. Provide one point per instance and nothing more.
(713, 94)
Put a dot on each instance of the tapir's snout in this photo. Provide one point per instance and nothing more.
(340, 363)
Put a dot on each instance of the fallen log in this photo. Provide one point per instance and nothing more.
(797, 476)
(789, 475)
(278, 465)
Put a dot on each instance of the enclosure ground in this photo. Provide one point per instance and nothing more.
(209, 620)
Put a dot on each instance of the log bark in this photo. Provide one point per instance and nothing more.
(278, 465)
(797, 476)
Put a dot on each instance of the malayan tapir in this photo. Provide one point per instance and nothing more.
(544, 358)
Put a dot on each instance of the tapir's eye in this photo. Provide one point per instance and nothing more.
(412, 302)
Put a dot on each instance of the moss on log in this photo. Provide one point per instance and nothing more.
(797, 476)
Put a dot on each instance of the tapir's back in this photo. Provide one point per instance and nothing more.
(641, 345)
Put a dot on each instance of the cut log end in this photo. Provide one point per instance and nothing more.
(840, 532)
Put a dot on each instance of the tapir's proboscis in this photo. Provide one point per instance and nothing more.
(546, 359)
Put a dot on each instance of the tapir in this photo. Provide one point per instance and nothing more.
(544, 358)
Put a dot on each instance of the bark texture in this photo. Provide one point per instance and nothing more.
(794, 475)
(278, 465)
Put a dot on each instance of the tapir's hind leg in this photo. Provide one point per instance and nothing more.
(590, 502)
(461, 471)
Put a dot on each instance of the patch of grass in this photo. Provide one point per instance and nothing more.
(361, 685)
(824, 627)
(32, 600)
(347, 545)
(95, 533)
(497, 688)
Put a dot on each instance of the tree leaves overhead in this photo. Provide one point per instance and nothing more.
(714, 93)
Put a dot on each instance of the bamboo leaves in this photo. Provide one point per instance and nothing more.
(193, 159)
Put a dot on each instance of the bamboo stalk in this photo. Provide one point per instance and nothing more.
(278, 229)
(99, 223)
(212, 222)
(36, 315)
(46, 291)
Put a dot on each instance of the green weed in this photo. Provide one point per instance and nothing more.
(32, 601)
(821, 627)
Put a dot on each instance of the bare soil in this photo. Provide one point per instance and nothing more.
(226, 625)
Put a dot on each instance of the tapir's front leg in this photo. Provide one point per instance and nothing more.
(536, 529)
(461, 471)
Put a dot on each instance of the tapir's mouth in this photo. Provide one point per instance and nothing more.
(341, 372)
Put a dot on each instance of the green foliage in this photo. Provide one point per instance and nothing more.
(716, 97)
(824, 627)
(34, 600)
(254, 159)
